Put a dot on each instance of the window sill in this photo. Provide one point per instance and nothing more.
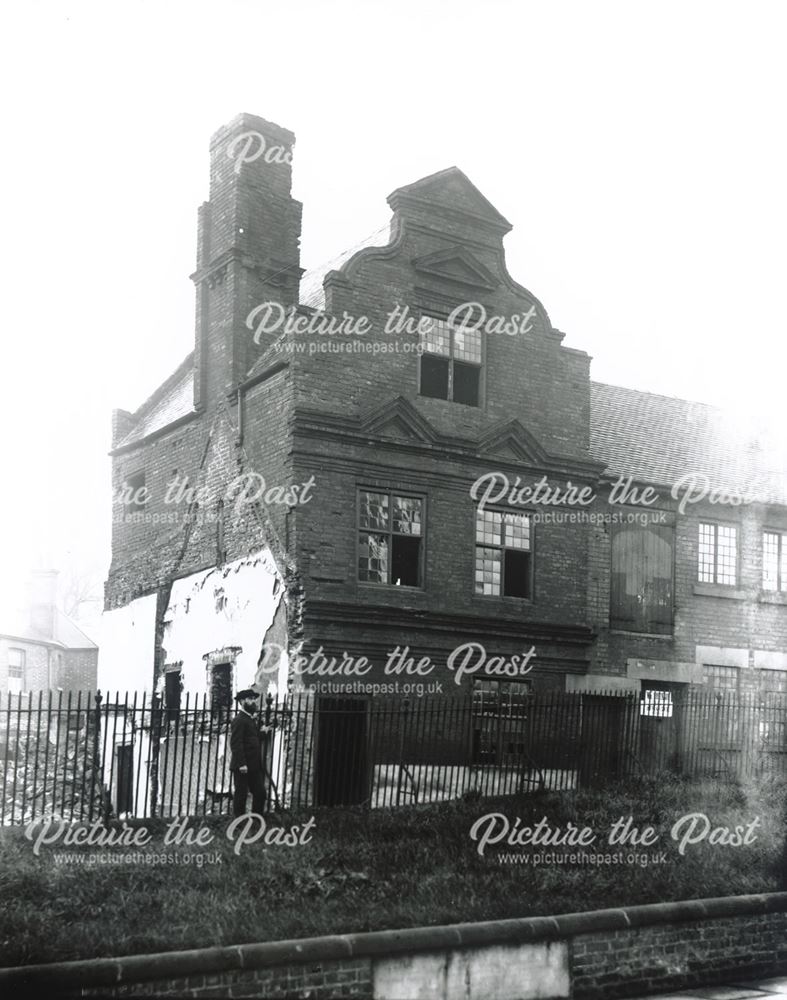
(718, 590)
(390, 587)
(772, 597)
(642, 635)
(505, 598)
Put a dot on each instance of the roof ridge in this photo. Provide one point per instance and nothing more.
(168, 382)
(661, 395)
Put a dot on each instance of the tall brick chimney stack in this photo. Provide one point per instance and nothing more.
(43, 600)
(248, 249)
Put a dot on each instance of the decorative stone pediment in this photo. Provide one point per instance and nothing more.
(456, 265)
(399, 419)
(450, 190)
(512, 442)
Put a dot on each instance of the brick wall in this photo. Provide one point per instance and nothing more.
(743, 617)
(673, 955)
(357, 419)
(79, 670)
(587, 956)
(316, 980)
(37, 657)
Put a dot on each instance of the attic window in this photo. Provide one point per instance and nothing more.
(451, 361)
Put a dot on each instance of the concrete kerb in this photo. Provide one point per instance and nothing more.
(176, 964)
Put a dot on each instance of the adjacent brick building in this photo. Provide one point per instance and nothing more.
(377, 440)
(41, 648)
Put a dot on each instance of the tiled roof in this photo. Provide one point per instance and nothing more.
(173, 399)
(66, 634)
(69, 634)
(659, 439)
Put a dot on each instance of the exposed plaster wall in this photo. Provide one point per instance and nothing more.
(224, 608)
(127, 647)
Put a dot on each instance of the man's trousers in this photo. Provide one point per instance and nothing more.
(252, 781)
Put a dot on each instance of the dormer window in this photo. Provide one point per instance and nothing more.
(451, 361)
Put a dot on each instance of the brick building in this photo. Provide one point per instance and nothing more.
(41, 648)
(396, 447)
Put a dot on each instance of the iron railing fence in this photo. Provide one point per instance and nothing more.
(85, 756)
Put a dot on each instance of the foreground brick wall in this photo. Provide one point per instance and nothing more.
(317, 980)
(586, 956)
(627, 962)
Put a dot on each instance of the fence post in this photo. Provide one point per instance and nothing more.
(155, 737)
(268, 745)
(402, 724)
(96, 762)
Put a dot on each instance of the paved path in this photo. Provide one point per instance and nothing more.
(763, 989)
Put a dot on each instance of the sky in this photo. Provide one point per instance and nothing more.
(638, 149)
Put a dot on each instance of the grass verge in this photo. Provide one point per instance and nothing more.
(368, 871)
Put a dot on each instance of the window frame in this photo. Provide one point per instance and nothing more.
(716, 524)
(722, 666)
(618, 624)
(427, 313)
(21, 677)
(391, 492)
(131, 507)
(781, 583)
(764, 673)
(527, 512)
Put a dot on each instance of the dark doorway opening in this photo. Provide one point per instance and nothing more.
(125, 779)
(172, 691)
(602, 739)
(341, 765)
(221, 689)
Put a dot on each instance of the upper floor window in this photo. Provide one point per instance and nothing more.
(774, 560)
(641, 580)
(718, 553)
(16, 670)
(451, 361)
(390, 537)
(134, 494)
(503, 554)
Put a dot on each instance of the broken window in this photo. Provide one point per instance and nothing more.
(774, 560)
(390, 532)
(718, 554)
(503, 554)
(641, 578)
(451, 361)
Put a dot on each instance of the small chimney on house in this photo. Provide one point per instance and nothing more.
(43, 602)
(248, 249)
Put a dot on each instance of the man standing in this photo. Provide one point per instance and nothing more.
(246, 755)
